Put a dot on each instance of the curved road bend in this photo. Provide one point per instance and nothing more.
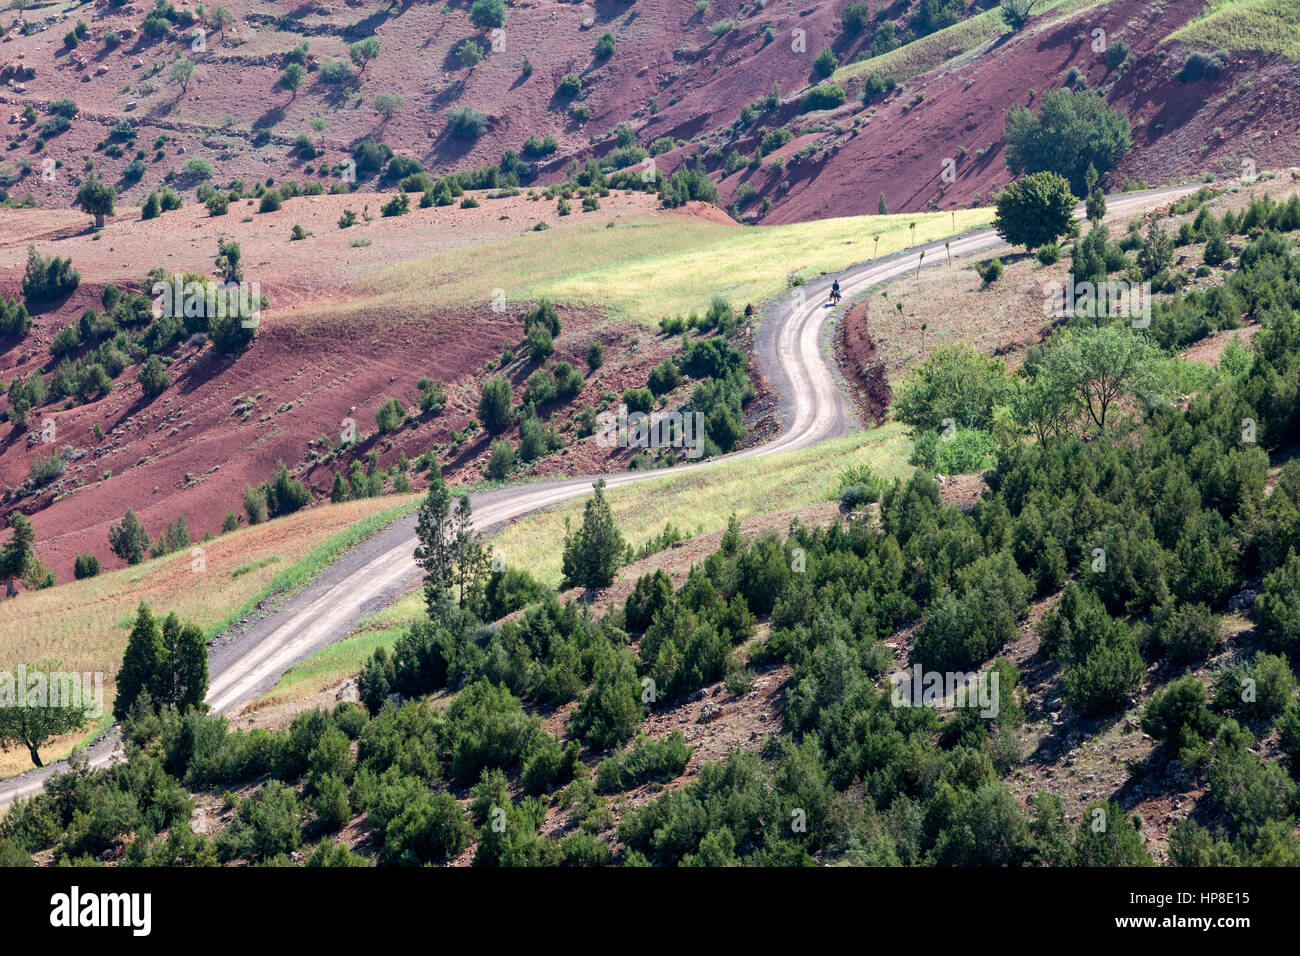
(788, 347)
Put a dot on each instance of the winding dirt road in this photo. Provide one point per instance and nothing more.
(789, 347)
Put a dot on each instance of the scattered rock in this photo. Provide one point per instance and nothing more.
(348, 691)
(709, 712)
(1242, 600)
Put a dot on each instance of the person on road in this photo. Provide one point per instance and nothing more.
(835, 291)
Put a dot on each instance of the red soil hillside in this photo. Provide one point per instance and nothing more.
(674, 73)
(898, 149)
(225, 421)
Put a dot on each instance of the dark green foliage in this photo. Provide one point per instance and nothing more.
(965, 627)
(48, 278)
(647, 759)
(855, 17)
(265, 825)
(1278, 608)
(129, 540)
(1035, 211)
(1177, 715)
(1188, 634)
(389, 416)
(825, 63)
(495, 406)
(511, 589)
(1107, 836)
(465, 123)
(1074, 129)
(14, 320)
(594, 551)
(487, 14)
(429, 829)
(652, 593)
(686, 185)
(1244, 790)
(285, 494)
(166, 666)
(612, 711)
(827, 96)
(371, 156)
(433, 396)
(153, 378)
(638, 400)
(1202, 66)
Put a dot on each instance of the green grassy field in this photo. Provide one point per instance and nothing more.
(1272, 26)
(936, 49)
(658, 263)
(696, 503)
(84, 625)
(929, 51)
(701, 501)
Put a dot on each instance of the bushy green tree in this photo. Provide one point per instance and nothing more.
(594, 552)
(1101, 365)
(33, 725)
(488, 14)
(153, 378)
(1278, 608)
(611, 713)
(96, 198)
(128, 540)
(1107, 836)
(1073, 130)
(953, 382)
(1035, 210)
(166, 664)
(495, 405)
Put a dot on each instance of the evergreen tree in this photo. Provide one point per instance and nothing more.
(434, 552)
(139, 662)
(1095, 207)
(181, 678)
(128, 540)
(17, 555)
(450, 552)
(611, 713)
(339, 490)
(594, 552)
(470, 555)
(166, 665)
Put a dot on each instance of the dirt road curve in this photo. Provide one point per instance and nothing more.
(813, 408)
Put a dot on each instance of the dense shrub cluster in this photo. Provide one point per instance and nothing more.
(1142, 535)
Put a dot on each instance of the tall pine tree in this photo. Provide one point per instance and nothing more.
(594, 552)
(17, 556)
(450, 552)
(139, 662)
(182, 677)
(168, 663)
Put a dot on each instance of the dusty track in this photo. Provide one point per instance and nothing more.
(789, 348)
